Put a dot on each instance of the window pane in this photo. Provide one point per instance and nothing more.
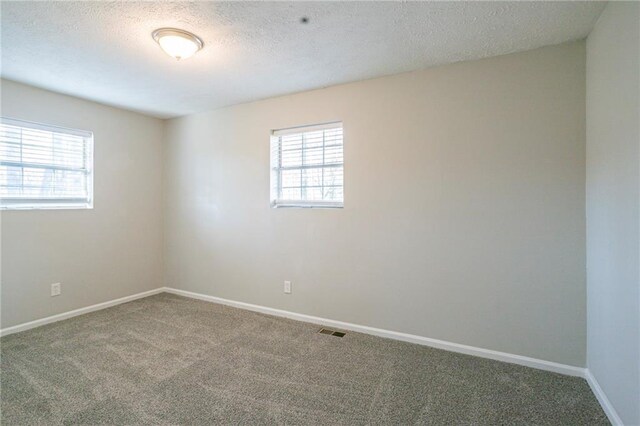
(333, 193)
(291, 178)
(313, 139)
(313, 194)
(312, 177)
(333, 155)
(291, 194)
(332, 176)
(10, 180)
(314, 156)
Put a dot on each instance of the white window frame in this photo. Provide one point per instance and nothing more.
(276, 168)
(49, 203)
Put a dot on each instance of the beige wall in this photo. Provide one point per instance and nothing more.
(464, 205)
(111, 251)
(613, 206)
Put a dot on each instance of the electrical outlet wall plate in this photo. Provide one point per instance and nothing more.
(287, 287)
(56, 289)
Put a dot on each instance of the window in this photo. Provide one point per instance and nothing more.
(307, 168)
(44, 167)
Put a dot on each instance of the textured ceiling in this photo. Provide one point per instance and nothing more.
(103, 51)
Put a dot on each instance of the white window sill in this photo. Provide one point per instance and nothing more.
(306, 205)
(46, 207)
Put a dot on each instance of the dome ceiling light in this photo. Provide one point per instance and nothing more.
(178, 44)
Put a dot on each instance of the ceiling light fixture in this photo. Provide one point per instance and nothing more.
(177, 43)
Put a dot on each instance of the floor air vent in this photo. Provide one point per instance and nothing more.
(331, 332)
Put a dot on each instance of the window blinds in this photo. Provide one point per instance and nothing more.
(307, 167)
(44, 166)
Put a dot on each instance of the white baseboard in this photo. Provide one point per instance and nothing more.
(611, 412)
(411, 338)
(76, 312)
(405, 337)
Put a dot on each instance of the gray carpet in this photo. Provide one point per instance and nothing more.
(171, 360)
